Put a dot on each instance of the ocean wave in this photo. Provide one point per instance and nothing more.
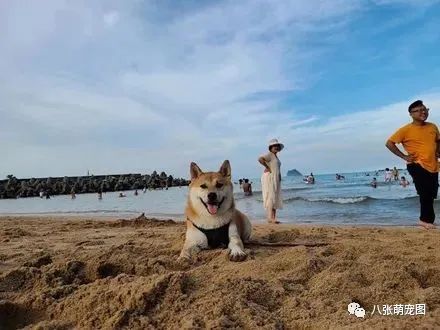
(284, 190)
(336, 200)
(338, 185)
(342, 200)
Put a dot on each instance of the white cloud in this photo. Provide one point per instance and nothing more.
(354, 141)
(111, 18)
(137, 86)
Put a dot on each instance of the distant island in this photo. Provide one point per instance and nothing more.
(294, 172)
(13, 187)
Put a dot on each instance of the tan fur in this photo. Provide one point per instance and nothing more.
(239, 225)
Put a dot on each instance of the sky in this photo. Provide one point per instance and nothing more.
(135, 86)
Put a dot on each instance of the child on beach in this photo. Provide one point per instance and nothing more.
(374, 183)
(420, 139)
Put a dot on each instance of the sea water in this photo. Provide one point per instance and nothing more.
(329, 201)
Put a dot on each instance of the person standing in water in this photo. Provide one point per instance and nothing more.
(388, 175)
(247, 188)
(404, 182)
(271, 180)
(395, 173)
(420, 139)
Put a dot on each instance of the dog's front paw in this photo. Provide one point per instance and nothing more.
(237, 254)
(184, 260)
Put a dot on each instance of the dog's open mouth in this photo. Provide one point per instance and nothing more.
(212, 207)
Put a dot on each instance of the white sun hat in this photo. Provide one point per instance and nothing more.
(275, 142)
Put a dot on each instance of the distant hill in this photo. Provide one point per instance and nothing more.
(294, 172)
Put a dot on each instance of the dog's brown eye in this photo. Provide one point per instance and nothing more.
(203, 186)
(219, 185)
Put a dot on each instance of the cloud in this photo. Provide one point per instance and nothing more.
(353, 141)
(145, 85)
(111, 18)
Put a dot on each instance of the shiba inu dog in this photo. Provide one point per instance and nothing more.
(211, 217)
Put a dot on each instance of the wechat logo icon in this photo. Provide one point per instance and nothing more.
(356, 309)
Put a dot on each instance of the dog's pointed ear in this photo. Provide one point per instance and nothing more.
(194, 170)
(225, 169)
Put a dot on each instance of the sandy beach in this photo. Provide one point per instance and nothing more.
(88, 273)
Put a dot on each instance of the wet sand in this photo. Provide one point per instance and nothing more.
(88, 273)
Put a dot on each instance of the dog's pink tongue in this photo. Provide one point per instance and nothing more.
(212, 208)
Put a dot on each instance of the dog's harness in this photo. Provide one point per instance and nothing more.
(216, 236)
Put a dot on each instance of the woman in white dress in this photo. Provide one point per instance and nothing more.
(271, 180)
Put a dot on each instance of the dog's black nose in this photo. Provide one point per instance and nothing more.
(212, 197)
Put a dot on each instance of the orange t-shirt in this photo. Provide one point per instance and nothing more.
(420, 141)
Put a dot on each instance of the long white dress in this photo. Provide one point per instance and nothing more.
(271, 184)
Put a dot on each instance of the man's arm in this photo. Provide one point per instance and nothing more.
(437, 152)
(393, 148)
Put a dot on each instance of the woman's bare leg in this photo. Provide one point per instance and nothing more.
(269, 215)
(274, 216)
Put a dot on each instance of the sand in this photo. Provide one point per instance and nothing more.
(84, 273)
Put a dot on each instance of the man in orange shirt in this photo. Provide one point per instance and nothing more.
(420, 139)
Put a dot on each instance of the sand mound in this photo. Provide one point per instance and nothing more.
(119, 274)
(16, 316)
(141, 221)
